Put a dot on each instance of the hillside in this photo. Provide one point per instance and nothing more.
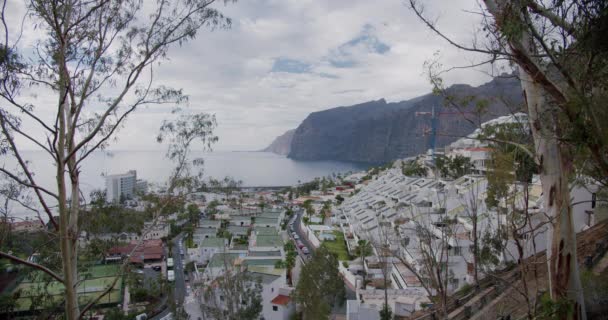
(378, 131)
(281, 144)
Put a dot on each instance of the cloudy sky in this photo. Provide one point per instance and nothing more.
(283, 59)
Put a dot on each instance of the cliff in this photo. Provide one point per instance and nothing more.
(281, 144)
(377, 131)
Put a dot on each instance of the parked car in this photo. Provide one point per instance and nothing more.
(296, 237)
(305, 250)
(300, 244)
(156, 268)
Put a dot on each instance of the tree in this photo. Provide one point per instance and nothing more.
(193, 214)
(413, 169)
(320, 286)
(290, 257)
(97, 59)
(363, 249)
(235, 295)
(385, 312)
(560, 53)
(339, 199)
(307, 205)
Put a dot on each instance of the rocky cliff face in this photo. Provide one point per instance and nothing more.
(281, 144)
(377, 131)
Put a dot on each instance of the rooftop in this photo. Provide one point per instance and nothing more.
(219, 259)
(265, 230)
(264, 254)
(269, 240)
(265, 220)
(281, 300)
(213, 242)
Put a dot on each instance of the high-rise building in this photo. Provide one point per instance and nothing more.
(121, 186)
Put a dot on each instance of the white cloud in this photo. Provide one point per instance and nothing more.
(229, 72)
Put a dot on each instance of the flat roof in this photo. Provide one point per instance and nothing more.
(264, 254)
(265, 230)
(264, 220)
(218, 259)
(270, 240)
(213, 242)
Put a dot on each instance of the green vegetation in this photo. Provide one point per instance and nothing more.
(413, 169)
(453, 167)
(338, 246)
(320, 286)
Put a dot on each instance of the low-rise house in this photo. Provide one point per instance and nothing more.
(138, 252)
(243, 221)
(265, 242)
(209, 247)
(268, 222)
(238, 231)
(27, 226)
(403, 303)
(203, 233)
(209, 224)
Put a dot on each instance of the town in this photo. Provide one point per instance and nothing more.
(401, 237)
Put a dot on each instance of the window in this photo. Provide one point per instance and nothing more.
(275, 308)
(271, 289)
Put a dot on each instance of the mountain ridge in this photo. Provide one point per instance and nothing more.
(378, 131)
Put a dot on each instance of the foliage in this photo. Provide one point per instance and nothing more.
(413, 169)
(237, 296)
(554, 309)
(385, 312)
(320, 286)
(307, 187)
(509, 163)
(453, 167)
(363, 249)
(339, 199)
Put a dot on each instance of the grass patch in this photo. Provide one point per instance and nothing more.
(338, 246)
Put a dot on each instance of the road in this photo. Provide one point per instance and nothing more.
(350, 294)
(303, 238)
(179, 285)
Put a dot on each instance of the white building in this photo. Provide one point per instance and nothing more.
(121, 185)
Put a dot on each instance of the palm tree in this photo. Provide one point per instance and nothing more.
(363, 249)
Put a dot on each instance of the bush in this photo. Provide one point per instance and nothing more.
(139, 294)
(345, 264)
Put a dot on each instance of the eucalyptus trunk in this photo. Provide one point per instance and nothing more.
(555, 171)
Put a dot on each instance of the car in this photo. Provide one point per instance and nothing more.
(156, 268)
(300, 244)
(305, 250)
(296, 237)
(142, 316)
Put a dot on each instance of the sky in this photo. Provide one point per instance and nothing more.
(283, 59)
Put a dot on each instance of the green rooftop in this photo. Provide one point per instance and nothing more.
(265, 230)
(270, 214)
(261, 262)
(218, 259)
(268, 240)
(213, 242)
(263, 220)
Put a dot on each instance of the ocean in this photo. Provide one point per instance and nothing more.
(253, 168)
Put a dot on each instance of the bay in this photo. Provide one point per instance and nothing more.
(253, 168)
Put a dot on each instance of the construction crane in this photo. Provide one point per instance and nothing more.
(434, 119)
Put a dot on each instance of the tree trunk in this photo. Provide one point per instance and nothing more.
(555, 170)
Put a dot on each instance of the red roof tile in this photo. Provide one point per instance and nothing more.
(281, 300)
